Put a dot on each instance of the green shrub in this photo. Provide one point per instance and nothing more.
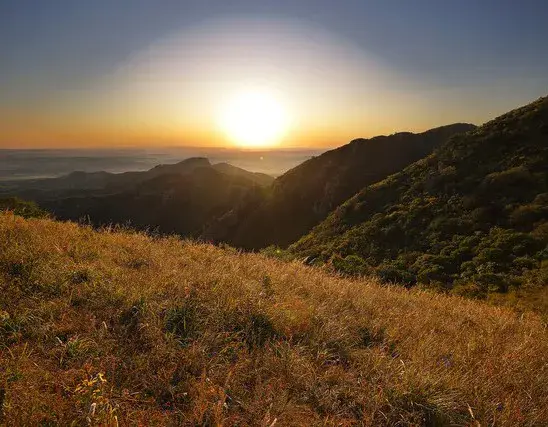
(22, 208)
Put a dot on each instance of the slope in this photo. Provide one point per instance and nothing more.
(105, 327)
(473, 214)
(305, 195)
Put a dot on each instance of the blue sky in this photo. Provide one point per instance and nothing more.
(59, 45)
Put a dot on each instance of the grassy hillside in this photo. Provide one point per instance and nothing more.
(113, 326)
(304, 196)
(473, 216)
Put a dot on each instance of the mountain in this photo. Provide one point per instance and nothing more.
(261, 179)
(304, 196)
(168, 201)
(120, 328)
(472, 217)
(180, 198)
(105, 182)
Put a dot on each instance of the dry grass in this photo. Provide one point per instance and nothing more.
(120, 328)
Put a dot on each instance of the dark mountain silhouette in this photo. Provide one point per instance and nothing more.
(258, 178)
(473, 215)
(304, 196)
(170, 201)
(179, 198)
(106, 182)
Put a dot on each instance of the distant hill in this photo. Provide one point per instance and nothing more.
(304, 196)
(105, 182)
(472, 216)
(119, 328)
(181, 198)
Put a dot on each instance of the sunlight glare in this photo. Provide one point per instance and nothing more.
(254, 118)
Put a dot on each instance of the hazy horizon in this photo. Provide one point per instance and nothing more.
(19, 164)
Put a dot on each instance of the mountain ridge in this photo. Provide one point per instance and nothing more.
(303, 196)
(452, 217)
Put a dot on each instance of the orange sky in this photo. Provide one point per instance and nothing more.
(170, 92)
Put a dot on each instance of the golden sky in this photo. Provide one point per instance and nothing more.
(316, 90)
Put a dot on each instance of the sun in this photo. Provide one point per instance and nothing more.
(254, 119)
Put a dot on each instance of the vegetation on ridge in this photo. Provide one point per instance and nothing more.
(114, 326)
(21, 207)
(472, 217)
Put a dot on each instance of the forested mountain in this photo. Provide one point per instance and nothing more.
(304, 196)
(473, 215)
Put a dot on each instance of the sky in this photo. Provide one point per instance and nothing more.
(109, 73)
